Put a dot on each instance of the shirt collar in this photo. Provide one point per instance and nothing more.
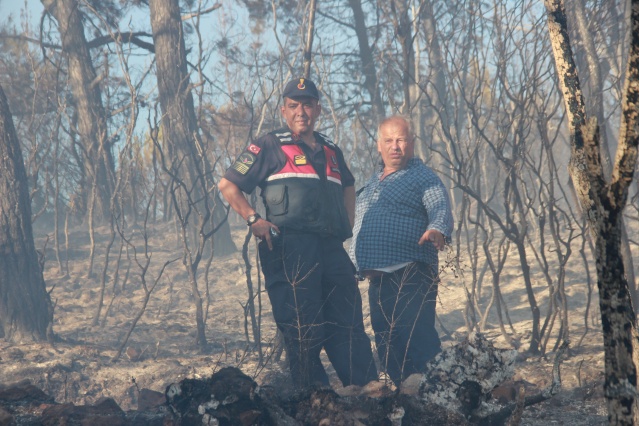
(409, 165)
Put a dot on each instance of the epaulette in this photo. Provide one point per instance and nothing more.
(284, 137)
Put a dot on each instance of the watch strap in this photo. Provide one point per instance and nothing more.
(251, 219)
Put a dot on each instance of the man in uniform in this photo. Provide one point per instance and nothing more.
(309, 197)
(403, 217)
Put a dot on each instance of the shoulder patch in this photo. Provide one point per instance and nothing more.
(244, 162)
(254, 149)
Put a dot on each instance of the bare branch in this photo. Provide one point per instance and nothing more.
(199, 13)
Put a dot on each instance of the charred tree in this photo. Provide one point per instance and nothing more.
(26, 313)
(602, 202)
(369, 69)
(200, 215)
(596, 81)
(308, 49)
(97, 160)
(179, 122)
(401, 20)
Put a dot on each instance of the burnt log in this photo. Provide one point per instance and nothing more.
(228, 397)
(509, 413)
(462, 377)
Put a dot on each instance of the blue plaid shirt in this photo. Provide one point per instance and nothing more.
(391, 216)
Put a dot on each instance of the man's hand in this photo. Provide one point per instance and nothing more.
(435, 237)
(262, 230)
(233, 194)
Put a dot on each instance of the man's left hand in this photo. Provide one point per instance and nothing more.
(435, 237)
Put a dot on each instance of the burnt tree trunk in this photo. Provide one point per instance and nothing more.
(97, 161)
(596, 81)
(603, 203)
(402, 23)
(200, 216)
(26, 313)
(308, 48)
(179, 122)
(366, 56)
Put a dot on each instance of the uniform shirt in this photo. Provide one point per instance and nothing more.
(264, 157)
(392, 214)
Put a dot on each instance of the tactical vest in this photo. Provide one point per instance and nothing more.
(298, 198)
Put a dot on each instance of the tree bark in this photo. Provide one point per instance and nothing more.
(308, 49)
(371, 82)
(596, 81)
(603, 204)
(179, 122)
(26, 313)
(186, 151)
(404, 32)
(92, 127)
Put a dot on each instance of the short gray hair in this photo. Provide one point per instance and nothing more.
(397, 117)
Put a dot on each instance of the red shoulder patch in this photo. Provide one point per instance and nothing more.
(254, 149)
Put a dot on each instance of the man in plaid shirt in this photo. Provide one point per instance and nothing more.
(402, 218)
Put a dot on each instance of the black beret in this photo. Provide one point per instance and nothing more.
(299, 87)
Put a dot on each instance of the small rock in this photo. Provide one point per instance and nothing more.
(105, 413)
(150, 400)
(411, 385)
(507, 391)
(15, 354)
(23, 391)
(132, 353)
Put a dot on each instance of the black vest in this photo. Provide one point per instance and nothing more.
(299, 199)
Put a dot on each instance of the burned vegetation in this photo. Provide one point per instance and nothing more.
(456, 389)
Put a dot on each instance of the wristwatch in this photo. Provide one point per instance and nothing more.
(251, 219)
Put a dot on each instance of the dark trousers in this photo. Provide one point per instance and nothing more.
(316, 304)
(403, 317)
